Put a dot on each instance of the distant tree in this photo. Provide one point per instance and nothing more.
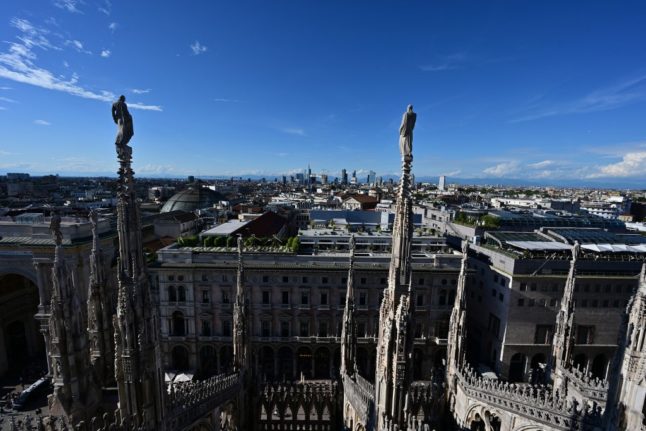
(220, 241)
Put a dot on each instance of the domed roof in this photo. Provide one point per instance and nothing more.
(194, 197)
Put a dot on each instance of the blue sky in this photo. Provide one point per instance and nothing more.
(545, 90)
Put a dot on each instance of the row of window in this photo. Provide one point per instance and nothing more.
(583, 303)
(178, 327)
(179, 295)
(306, 279)
(586, 287)
(545, 334)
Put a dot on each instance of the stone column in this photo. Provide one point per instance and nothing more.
(40, 282)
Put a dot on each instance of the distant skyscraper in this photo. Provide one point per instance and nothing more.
(354, 177)
(344, 177)
(300, 177)
(372, 177)
(442, 183)
(324, 179)
(284, 179)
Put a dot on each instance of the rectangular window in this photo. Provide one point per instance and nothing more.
(324, 280)
(205, 297)
(494, 324)
(543, 334)
(493, 292)
(285, 298)
(323, 298)
(206, 328)
(265, 279)
(361, 329)
(205, 277)
(285, 279)
(521, 302)
(305, 298)
(363, 298)
(323, 328)
(420, 282)
(420, 300)
(284, 329)
(341, 299)
(226, 328)
(265, 328)
(304, 328)
(584, 334)
(266, 297)
(553, 302)
(532, 287)
(304, 279)
(382, 281)
(501, 297)
(418, 330)
(225, 296)
(363, 280)
(523, 287)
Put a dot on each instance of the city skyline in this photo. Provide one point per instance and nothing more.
(525, 92)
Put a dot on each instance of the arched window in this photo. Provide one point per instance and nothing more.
(179, 325)
(182, 294)
(172, 294)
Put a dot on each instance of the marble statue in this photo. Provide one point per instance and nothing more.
(123, 119)
(406, 134)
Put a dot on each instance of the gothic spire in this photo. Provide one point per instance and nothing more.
(241, 354)
(564, 329)
(138, 369)
(74, 394)
(98, 306)
(457, 326)
(394, 347)
(348, 330)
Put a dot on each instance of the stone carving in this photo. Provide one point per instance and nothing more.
(123, 120)
(406, 134)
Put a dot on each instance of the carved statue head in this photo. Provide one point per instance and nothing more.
(410, 108)
(122, 98)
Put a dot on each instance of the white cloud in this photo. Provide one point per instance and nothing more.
(113, 26)
(225, 100)
(6, 99)
(293, 131)
(2, 108)
(632, 164)
(140, 90)
(604, 99)
(155, 169)
(106, 8)
(69, 5)
(42, 123)
(78, 45)
(19, 65)
(450, 62)
(5, 88)
(106, 53)
(144, 107)
(541, 165)
(503, 169)
(198, 48)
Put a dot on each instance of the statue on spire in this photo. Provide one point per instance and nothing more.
(123, 119)
(406, 134)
